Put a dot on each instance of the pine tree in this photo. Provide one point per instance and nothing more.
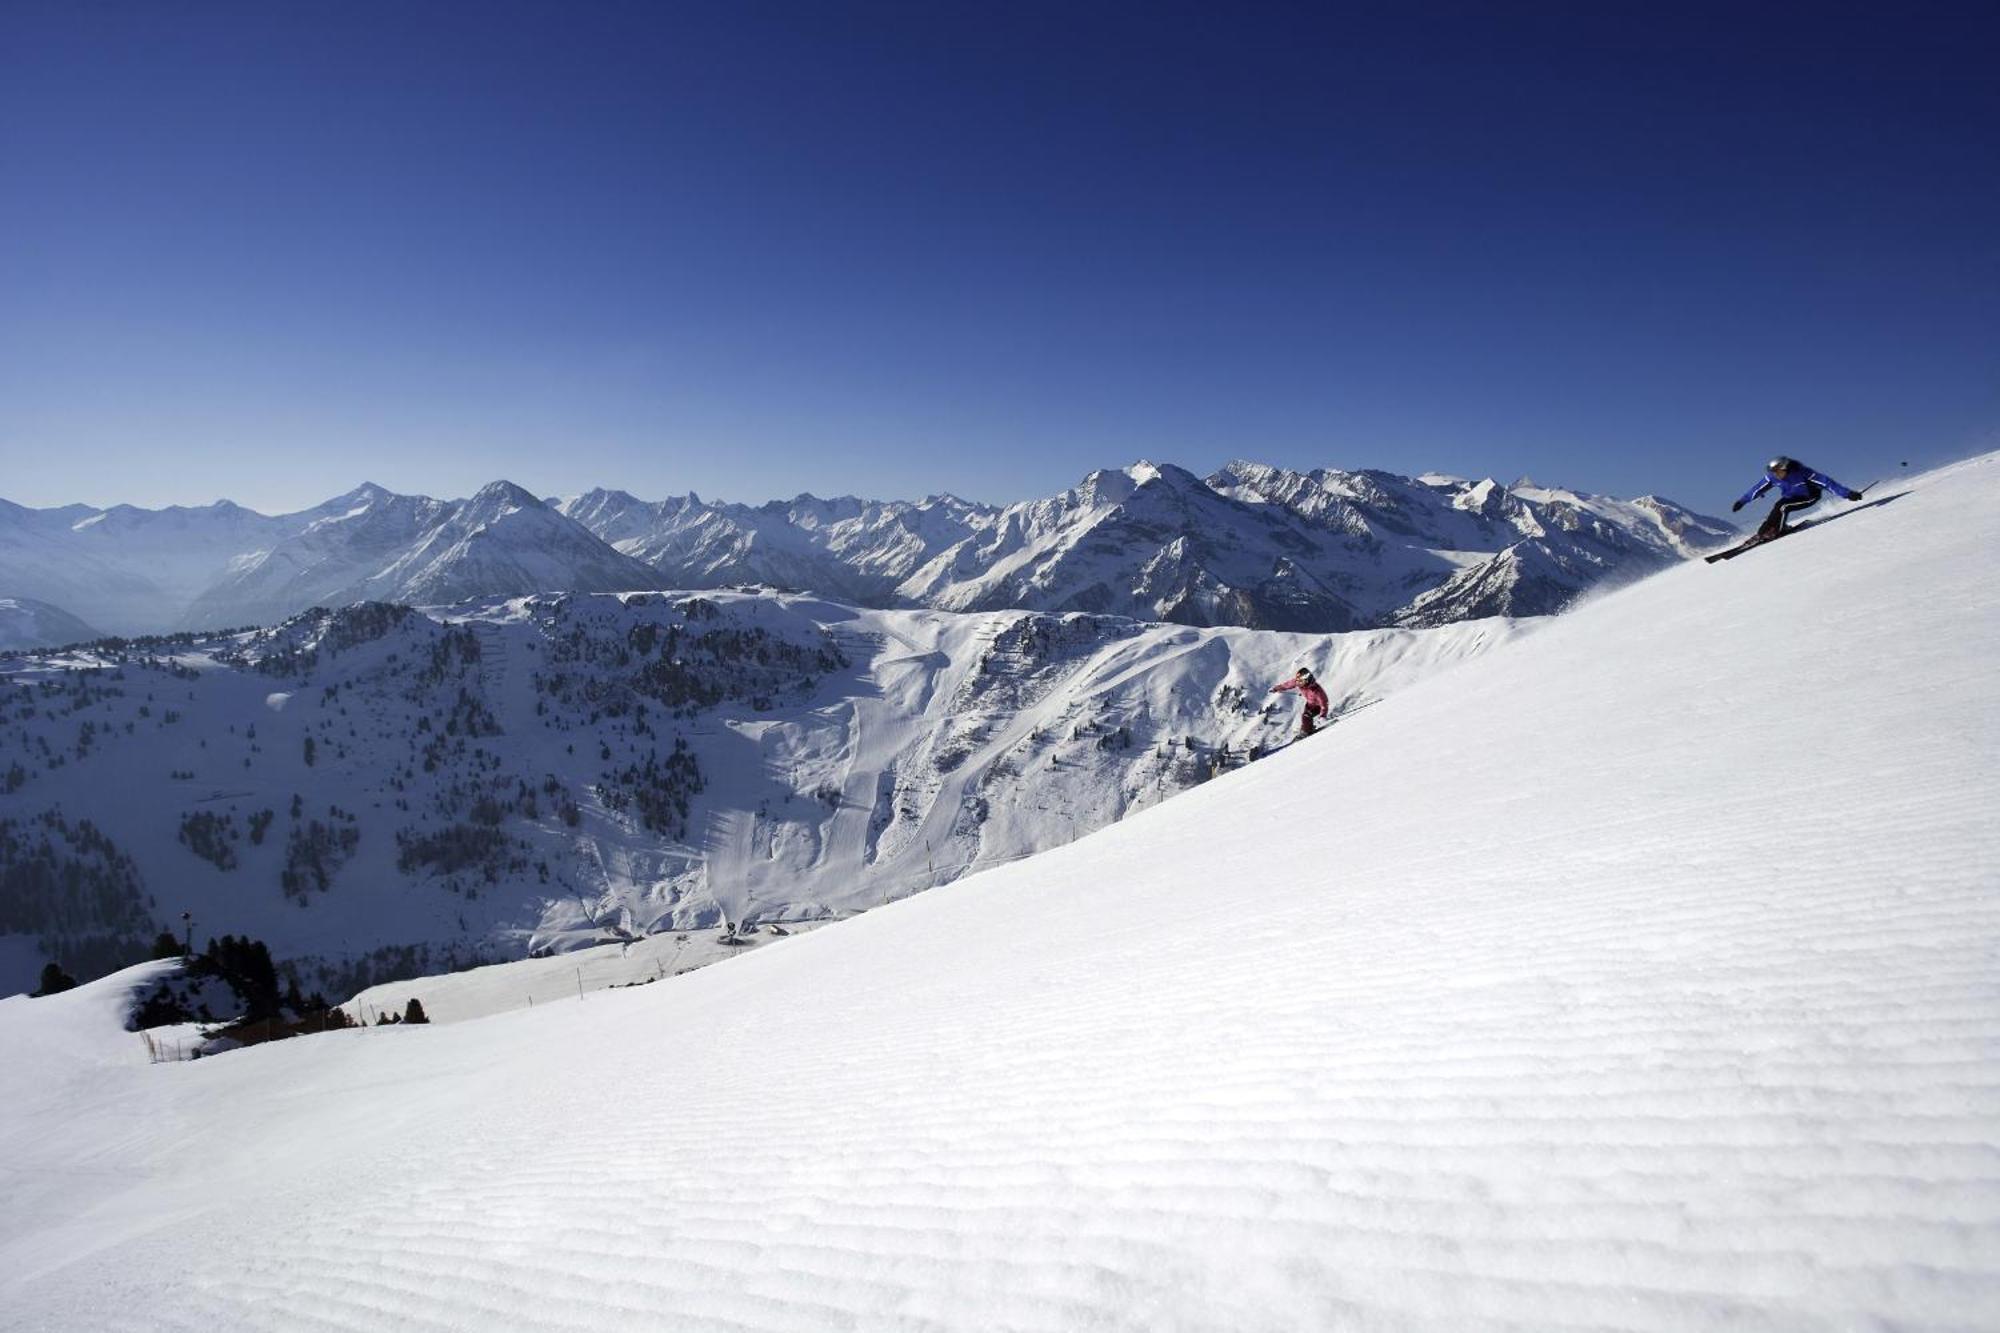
(55, 980)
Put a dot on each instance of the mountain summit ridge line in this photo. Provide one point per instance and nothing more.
(1250, 544)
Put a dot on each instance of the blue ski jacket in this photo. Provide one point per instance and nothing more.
(1794, 483)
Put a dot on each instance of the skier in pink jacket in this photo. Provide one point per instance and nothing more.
(1309, 690)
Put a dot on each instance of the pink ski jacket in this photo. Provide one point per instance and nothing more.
(1310, 692)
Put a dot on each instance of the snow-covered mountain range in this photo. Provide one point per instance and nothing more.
(140, 571)
(1516, 1002)
(377, 546)
(1251, 545)
(375, 790)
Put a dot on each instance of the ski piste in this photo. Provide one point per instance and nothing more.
(1756, 540)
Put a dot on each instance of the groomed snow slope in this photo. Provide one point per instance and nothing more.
(1644, 974)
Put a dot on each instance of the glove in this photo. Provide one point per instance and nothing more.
(1854, 495)
(1738, 505)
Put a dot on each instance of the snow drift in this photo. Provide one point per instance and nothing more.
(1640, 975)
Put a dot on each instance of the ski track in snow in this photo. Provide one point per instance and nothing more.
(1643, 975)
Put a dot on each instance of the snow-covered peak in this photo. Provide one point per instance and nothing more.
(596, 495)
(220, 516)
(362, 496)
(1483, 497)
(612, 514)
(497, 499)
(1106, 486)
(502, 542)
(364, 504)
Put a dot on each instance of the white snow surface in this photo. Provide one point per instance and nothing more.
(477, 992)
(1644, 974)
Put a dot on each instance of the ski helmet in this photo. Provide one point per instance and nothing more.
(1303, 673)
(1779, 464)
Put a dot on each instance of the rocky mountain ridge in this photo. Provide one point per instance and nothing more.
(1250, 545)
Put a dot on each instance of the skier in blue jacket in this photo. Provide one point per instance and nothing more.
(1799, 487)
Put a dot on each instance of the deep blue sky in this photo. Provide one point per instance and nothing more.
(268, 251)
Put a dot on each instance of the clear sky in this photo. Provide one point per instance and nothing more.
(267, 251)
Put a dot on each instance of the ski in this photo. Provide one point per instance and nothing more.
(1741, 547)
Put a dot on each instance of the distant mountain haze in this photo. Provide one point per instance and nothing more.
(26, 623)
(1251, 545)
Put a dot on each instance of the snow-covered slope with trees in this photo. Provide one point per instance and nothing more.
(1641, 975)
(1253, 546)
(377, 791)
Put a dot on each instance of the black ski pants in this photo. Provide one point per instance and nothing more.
(1784, 509)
